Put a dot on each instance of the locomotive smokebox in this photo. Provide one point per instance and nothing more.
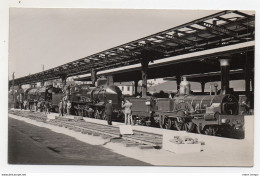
(224, 65)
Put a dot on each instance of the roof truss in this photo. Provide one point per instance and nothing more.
(212, 31)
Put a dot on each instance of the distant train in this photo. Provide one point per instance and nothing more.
(32, 96)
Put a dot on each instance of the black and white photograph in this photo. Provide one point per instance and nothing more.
(131, 87)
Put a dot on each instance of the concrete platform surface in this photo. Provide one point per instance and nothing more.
(30, 144)
(217, 151)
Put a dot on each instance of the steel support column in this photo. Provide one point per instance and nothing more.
(13, 81)
(93, 75)
(253, 88)
(144, 68)
(202, 83)
(63, 80)
(253, 80)
(136, 86)
(178, 82)
(224, 65)
(248, 78)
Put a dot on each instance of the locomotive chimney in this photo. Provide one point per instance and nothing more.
(110, 80)
(224, 65)
(216, 88)
(93, 75)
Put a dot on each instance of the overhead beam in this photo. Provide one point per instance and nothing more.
(144, 68)
(179, 40)
(184, 43)
(219, 29)
(233, 22)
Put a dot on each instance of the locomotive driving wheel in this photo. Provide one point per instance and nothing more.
(103, 115)
(161, 121)
(56, 109)
(80, 112)
(183, 124)
(97, 114)
(168, 123)
(209, 130)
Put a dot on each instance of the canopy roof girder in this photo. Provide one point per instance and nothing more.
(197, 35)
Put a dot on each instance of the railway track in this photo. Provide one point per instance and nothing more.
(140, 138)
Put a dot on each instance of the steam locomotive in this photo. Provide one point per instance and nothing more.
(32, 95)
(86, 100)
(207, 114)
(14, 97)
(90, 101)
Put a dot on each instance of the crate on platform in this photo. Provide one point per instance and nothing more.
(68, 117)
(126, 129)
(77, 118)
(51, 116)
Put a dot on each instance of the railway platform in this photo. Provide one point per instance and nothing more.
(217, 151)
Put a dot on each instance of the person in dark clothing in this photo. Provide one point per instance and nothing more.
(35, 105)
(109, 112)
(46, 107)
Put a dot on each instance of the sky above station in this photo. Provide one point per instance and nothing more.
(52, 37)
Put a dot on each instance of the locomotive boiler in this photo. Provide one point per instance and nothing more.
(40, 93)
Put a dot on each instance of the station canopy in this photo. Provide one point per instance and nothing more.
(218, 30)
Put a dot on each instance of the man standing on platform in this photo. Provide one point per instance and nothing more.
(36, 105)
(46, 107)
(25, 104)
(68, 107)
(39, 106)
(128, 111)
(61, 108)
(65, 99)
(109, 112)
